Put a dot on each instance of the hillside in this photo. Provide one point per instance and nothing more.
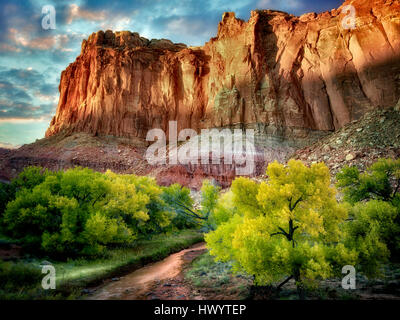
(360, 143)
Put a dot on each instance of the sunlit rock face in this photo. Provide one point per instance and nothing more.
(292, 79)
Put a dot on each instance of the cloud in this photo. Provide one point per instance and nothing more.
(29, 79)
(6, 145)
(24, 39)
(5, 47)
(22, 110)
(24, 93)
(280, 4)
(10, 92)
(187, 28)
(76, 12)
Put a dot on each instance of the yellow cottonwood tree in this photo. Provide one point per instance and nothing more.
(287, 227)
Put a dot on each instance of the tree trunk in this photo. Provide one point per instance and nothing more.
(300, 287)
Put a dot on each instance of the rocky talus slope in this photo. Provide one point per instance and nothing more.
(360, 143)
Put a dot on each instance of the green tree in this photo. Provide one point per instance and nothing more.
(6, 195)
(178, 199)
(370, 231)
(288, 226)
(30, 177)
(209, 198)
(80, 211)
(379, 183)
(159, 215)
(224, 209)
(27, 179)
(126, 203)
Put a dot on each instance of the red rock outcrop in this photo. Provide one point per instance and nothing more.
(281, 74)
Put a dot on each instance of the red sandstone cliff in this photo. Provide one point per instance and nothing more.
(276, 72)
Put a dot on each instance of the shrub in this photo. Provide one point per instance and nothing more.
(6, 195)
(371, 232)
(380, 185)
(18, 275)
(381, 181)
(80, 211)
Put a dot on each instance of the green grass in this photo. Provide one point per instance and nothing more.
(72, 276)
(206, 273)
(204, 270)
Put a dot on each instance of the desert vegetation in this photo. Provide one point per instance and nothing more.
(294, 228)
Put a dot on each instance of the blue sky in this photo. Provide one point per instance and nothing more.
(31, 58)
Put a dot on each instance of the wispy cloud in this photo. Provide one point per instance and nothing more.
(76, 12)
(280, 4)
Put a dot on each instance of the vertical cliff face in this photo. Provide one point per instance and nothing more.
(285, 76)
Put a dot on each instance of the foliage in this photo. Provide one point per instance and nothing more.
(30, 177)
(224, 209)
(381, 181)
(27, 179)
(209, 198)
(6, 195)
(371, 232)
(17, 275)
(377, 222)
(287, 226)
(177, 199)
(201, 216)
(80, 211)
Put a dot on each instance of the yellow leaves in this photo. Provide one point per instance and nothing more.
(257, 229)
(296, 202)
(302, 194)
(141, 215)
(102, 229)
(276, 171)
(244, 196)
(344, 256)
(219, 242)
(312, 223)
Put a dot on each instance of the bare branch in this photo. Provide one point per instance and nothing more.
(192, 213)
(284, 282)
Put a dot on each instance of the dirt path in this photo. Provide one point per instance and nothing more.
(142, 283)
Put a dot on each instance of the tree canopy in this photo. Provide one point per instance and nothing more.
(287, 226)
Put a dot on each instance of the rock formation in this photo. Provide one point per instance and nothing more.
(283, 75)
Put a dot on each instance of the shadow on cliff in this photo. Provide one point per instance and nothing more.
(337, 99)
